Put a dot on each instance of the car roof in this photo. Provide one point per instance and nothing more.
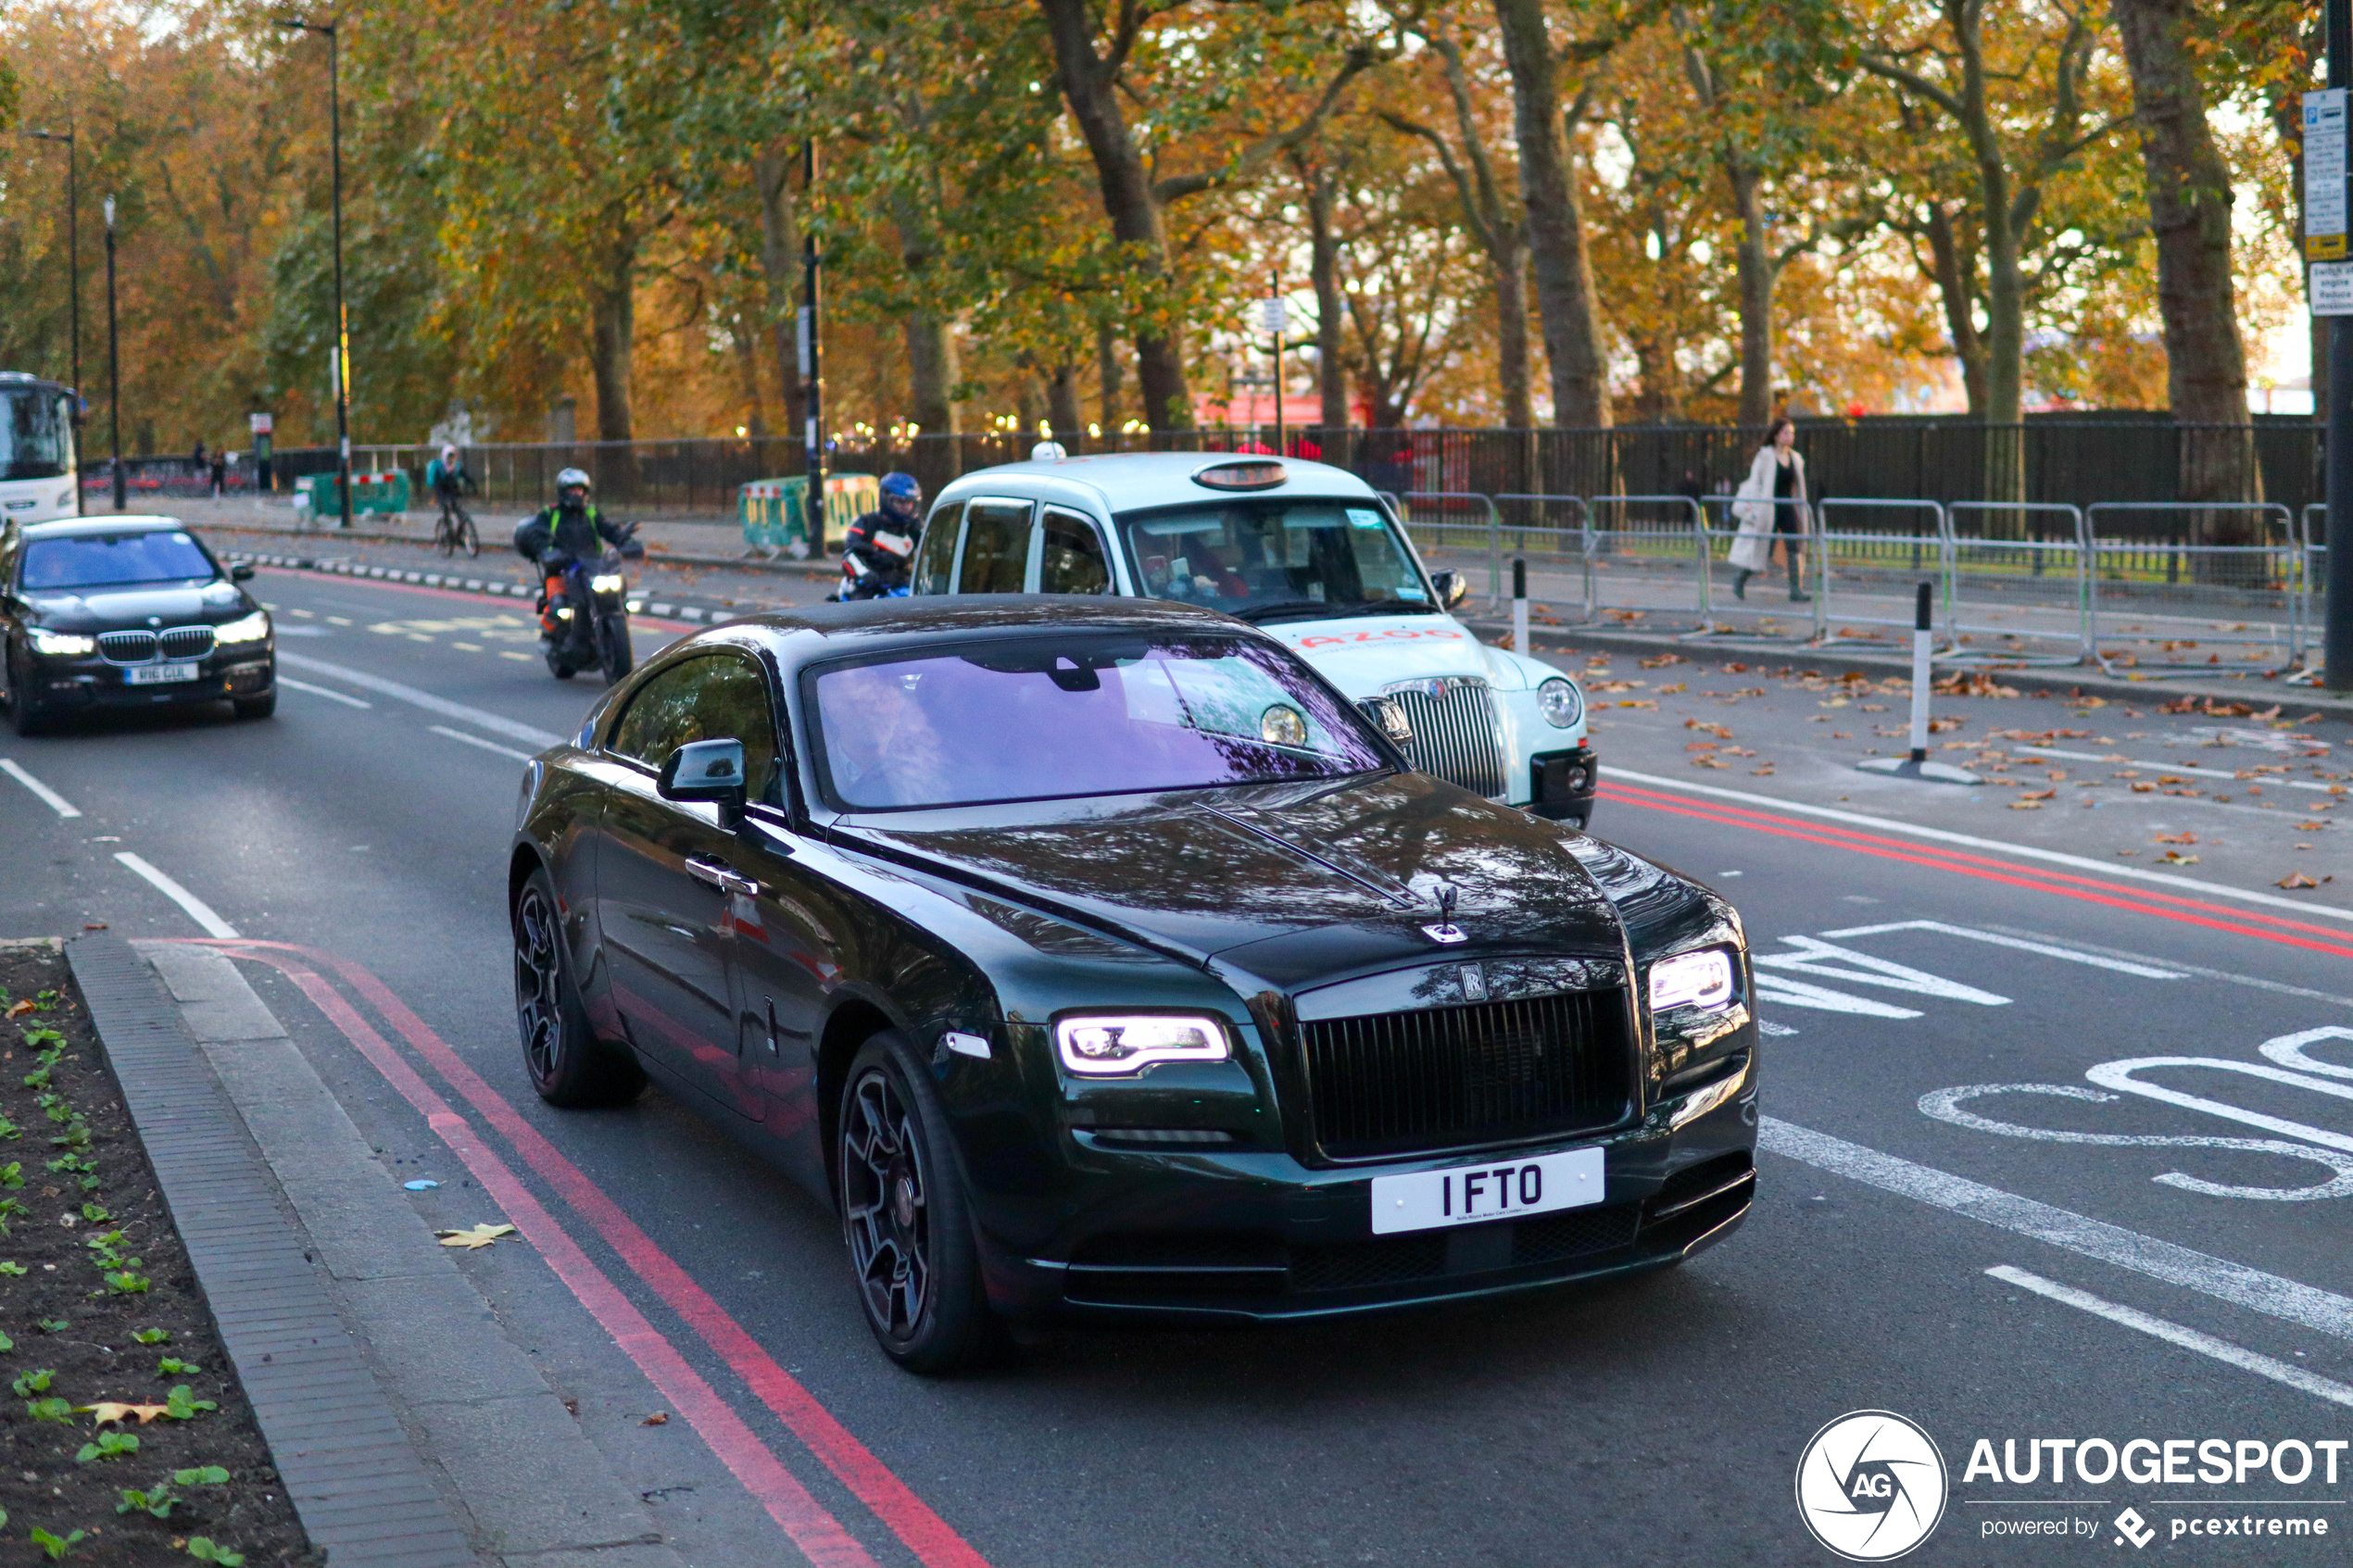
(92, 527)
(1123, 481)
(809, 634)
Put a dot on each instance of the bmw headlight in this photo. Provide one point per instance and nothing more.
(1697, 980)
(1559, 701)
(245, 629)
(608, 584)
(62, 642)
(1114, 1045)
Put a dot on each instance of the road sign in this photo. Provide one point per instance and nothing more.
(259, 423)
(2324, 195)
(1273, 317)
(2332, 287)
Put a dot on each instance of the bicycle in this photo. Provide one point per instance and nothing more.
(455, 529)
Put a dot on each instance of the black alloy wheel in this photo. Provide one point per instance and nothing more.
(905, 1216)
(569, 1066)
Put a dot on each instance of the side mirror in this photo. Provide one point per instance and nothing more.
(632, 551)
(711, 771)
(1388, 717)
(1452, 588)
(241, 572)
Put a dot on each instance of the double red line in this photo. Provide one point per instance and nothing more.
(811, 1527)
(2189, 910)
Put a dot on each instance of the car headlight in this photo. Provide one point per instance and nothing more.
(1283, 725)
(245, 629)
(1105, 1046)
(608, 584)
(1560, 703)
(62, 642)
(1699, 980)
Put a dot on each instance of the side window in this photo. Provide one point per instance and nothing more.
(936, 557)
(996, 547)
(723, 697)
(1071, 556)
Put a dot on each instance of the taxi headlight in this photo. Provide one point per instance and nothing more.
(245, 629)
(1560, 703)
(1699, 980)
(608, 584)
(62, 642)
(1107, 1045)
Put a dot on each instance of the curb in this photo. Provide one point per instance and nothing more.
(827, 570)
(356, 1480)
(663, 610)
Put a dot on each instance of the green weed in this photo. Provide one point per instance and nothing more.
(56, 1547)
(202, 1549)
(30, 1383)
(108, 1445)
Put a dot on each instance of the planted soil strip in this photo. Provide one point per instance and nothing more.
(103, 1264)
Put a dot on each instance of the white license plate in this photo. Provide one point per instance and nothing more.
(1500, 1189)
(159, 674)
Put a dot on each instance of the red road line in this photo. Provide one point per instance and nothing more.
(930, 1537)
(466, 594)
(815, 1530)
(2087, 889)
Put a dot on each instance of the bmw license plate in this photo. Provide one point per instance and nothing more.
(1500, 1189)
(159, 674)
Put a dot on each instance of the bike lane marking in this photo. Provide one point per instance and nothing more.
(930, 1537)
(47, 797)
(815, 1530)
(195, 909)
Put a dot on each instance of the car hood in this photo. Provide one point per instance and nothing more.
(1362, 654)
(1281, 885)
(101, 609)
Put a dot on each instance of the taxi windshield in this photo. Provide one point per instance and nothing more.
(106, 560)
(1054, 719)
(1277, 560)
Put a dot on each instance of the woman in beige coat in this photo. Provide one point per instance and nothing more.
(1772, 501)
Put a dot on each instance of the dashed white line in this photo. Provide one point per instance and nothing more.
(49, 798)
(322, 691)
(198, 911)
(2172, 767)
(477, 740)
(2175, 1334)
(2219, 1277)
(479, 718)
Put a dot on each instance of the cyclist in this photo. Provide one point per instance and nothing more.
(448, 479)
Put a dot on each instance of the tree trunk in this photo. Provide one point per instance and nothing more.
(2189, 196)
(1752, 265)
(1956, 285)
(1109, 373)
(1322, 270)
(1062, 402)
(612, 336)
(1089, 86)
(1555, 226)
(780, 263)
(744, 340)
(931, 347)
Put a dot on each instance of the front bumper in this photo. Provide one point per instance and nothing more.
(62, 684)
(1562, 784)
(1202, 1237)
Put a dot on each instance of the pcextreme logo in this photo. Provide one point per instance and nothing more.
(1871, 1486)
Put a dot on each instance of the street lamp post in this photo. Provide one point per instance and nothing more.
(114, 371)
(342, 326)
(812, 365)
(73, 273)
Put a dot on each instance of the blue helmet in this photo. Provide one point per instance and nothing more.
(902, 487)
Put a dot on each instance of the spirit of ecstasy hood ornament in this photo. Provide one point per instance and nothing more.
(1445, 932)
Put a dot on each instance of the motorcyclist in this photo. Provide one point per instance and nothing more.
(880, 547)
(573, 530)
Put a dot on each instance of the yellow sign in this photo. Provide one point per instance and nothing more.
(2325, 247)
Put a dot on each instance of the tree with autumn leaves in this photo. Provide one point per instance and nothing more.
(1055, 211)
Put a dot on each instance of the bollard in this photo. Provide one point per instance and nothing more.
(1918, 766)
(1520, 607)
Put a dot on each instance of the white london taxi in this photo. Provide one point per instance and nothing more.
(1307, 551)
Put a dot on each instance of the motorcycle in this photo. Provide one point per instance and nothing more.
(584, 611)
(860, 581)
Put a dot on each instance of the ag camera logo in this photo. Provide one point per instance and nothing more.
(1871, 1486)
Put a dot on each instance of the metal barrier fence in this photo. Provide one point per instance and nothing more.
(1488, 533)
(2222, 578)
(2018, 569)
(1872, 553)
(1564, 542)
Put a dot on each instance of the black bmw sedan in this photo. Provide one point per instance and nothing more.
(126, 612)
(1096, 957)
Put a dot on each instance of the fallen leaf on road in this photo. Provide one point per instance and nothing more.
(20, 1008)
(2026, 805)
(2310, 827)
(2175, 858)
(2143, 788)
(660, 1418)
(93, 925)
(2177, 838)
(2038, 795)
(2295, 879)
(475, 1238)
(115, 1411)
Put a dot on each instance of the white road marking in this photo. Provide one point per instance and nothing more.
(2022, 851)
(1781, 991)
(1862, 968)
(198, 911)
(322, 691)
(2173, 768)
(2288, 1050)
(2174, 1334)
(480, 717)
(2225, 1281)
(477, 740)
(2118, 1075)
(2145, 972)
(49, 798)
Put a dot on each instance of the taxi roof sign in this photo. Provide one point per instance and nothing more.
(1246, 474)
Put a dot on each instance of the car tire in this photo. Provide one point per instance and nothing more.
(906, 1219)
(27, 715)
(568, 1065)
(255, 707)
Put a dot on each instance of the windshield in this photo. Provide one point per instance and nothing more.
(1277, 560)
(111, 560)
(36, 439)
(1049, 719)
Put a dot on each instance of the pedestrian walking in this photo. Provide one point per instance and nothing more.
(1772, 502)
(219, 474)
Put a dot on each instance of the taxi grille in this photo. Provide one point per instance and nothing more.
(143, 648)
(1456, 734)
(1400, 1082)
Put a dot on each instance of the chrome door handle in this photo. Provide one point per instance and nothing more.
(720, 877)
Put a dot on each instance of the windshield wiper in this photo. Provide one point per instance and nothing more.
(1282, 607)
(1317, 609)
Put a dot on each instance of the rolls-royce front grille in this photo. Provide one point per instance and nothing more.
(1401, 1082)
(1455, 732)
(146, 647)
